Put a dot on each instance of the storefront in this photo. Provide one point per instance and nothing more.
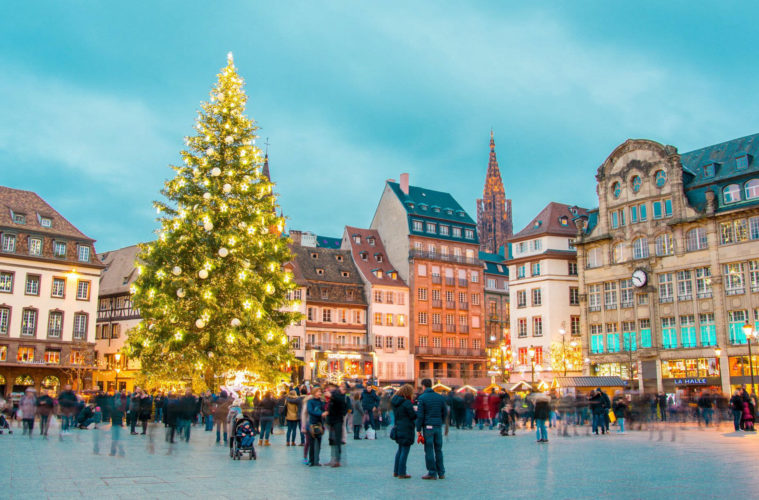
(338, 366)
(691, 375)
(740, 371)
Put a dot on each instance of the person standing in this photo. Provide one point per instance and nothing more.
(705, 410)
(292, 416)
(736, 405)
(370, 404)
(596, 408)
(45, 406)
(187, 412)
(316, 413)
(158, 402)
(134, 410)
(28, 407)
(146, 404)
(338, 408)
(221, 409)
(542, 405)
(620, 410)
(120, 405)
(67, 406)
(206, 410)
(267, 405)
(431, 415)
(405, 418)
(358, 415)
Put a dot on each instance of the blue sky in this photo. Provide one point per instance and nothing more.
(95, 97)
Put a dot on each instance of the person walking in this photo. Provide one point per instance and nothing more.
(736, 405)
(146, 404)
(405, 419)
(705, 405)
(620, 410)
(338, 408)
(542, 405)
(206, 410)
(292, 416)
(134, 410)
(267, 405)
(220, 411)
(358, 415)
(28, 406)
(431, 415)
(67, 406)
(45, 405)
(370, 404)
(118, 409)
(316, 414)
(158, 402)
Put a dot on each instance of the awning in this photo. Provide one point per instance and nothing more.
(520, 387)
(588, 382)
(466, 388)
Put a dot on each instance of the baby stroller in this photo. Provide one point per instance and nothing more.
(4, 425)
(243, 439)
(507, 420)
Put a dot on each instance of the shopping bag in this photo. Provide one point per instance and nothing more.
(370, 434)
(612, 417)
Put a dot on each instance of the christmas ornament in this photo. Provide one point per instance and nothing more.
(235, 322)
(216, 171)
(223, 252)
(180, 292)
(200, 323)
(203, 274)
(206, 196)
(209, 151)
(227, 188)
(176, 271)
(229, 139)
(208, 226)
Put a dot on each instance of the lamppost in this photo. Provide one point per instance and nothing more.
(531, 354)
(750, 333)
(117, 358)
(311, 365)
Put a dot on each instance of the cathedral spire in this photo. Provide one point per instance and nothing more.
(493, 209)
(266, 161)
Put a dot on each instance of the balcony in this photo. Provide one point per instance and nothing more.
(323, 346)
(421, 254)
(666, 300)
(704, 295)
(449, 351)
(735, 291)
(464, 306)
(462, 283)
(436, 278)
(594, 308)
(450, 328)
(437, 327)
(450, 281)
(463, 329)
(437, 303)
(450, 304)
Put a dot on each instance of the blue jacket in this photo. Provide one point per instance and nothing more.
(431, 409)
(315, 408)
(369, 400)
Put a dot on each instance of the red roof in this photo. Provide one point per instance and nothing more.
(372, 253)
(33, 208)
(554, 219)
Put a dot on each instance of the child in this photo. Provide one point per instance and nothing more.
(246, 434)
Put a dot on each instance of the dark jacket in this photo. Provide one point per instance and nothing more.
(620, 407)
(267, 407)
(45, 405)
(596, 403)
(338, 408)
(146, 405)
(431, 410)
(542, 409)
(369, 400)
(736, 403)
(187, 407)
(315, 408)
(67, 402)
(405, 418)
(605, 401)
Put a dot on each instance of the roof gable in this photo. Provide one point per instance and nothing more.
(554, 219)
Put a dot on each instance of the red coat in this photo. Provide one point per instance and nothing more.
(495, 402)
(482, 406)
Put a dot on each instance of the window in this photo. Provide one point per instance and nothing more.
(535, 271)
(753, 275)
(666, 291)
(733, 232)
(55, 324)
(626, 293)
(326, 315)
(389, 319)
(35, 246)
(736, 320)
(574, 296)
(388, 342)
(491, 283)
(9, 243)
(378, 318)
(522, 327)
(476, 344)
(6, 282)
(29, 323)
(444, 230)
(708, 329)
(3, 352)
(469, 234)
(703, 282)
(616, 253)
(417, 225)
(295, 343)
(422, 341)
(752, 189)
(629, 340)
(640, 248)
(389, 297)
(311, 314)
(612, 337)
(753, 226)
(636, 183)
(475, 277)
(594, 258)
(594, 297)
(421, 293)
(5, 316)
(667, 208)
(456, 231)
(634, 214)
(741, 162)
(25, 355)
(116, 331)
(574, 326)
(401, 298)
(572, 269)
(521, 298)
(537, 299)
(537, 326)
(733, 279)
(436, 342)
(610, 295)
(421, 270)
(431, 227)
(536, 244)
(668, 333)
(32, 285)
(643, 212)
(616, 189)
(731, 193)
(80, 326)
(645, 332)
(378, 341)
(663, 245)
(475, 299)
(422, 318)
(658, 214)
(596, 339)
(83, 253)
(695, 239)
(401, 343)
(688, 330)
(521, 271)
(76, 357)
(19, 218)
(642, 299)
(684, 285)
(83, 290)
(377, 296)
(660, 178)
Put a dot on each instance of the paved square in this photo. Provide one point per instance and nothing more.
(479, 464)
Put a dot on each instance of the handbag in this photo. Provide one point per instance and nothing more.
(394, 434)
(315, 430)
(612, 416)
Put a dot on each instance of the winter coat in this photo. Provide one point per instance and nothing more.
(405, 418)
(736, 403)
(431, 410)
(267, 407)
(705, 401)
(28, 405)
(482, 406)
(293, 409)
(358, 412)
(45, 405)
(67, 402)
(596, 403)
(146, 404)
(187, 407)
(542, 408)
(221, 408)
(315, 408)
(495, 404)
(338, 408)
(206, 406)
(369, 400)
(620, 408)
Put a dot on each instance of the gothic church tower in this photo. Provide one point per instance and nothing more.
(493, 210)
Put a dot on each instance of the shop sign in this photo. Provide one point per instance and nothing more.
(690, 381)
(343, 356)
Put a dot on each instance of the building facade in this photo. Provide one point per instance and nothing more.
(388, 311)
(497, 323)
(669, 265)
(49, 281)
(115, 317)
(493, 209)
(545, 304)
(432, 243)
(336, 333)
(296, 333)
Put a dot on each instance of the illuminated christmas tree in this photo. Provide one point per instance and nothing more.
(212, 291)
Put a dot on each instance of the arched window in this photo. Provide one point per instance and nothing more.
(660, 177)
(695, 239)
(636, 183)
(616, 189)
(664, 245)
(731, 193)
(752, 189)
(640, 248)
(617, 253)
(594, 258)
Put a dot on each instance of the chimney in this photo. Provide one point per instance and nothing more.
(295, 236)
(404, 183)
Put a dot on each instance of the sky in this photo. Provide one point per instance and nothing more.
(97, 97)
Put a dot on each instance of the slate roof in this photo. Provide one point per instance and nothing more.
(327, 260)
(548, 221)
(33, 207)
(368, 267)
(120, 271)
(491, 261)
(590, 381)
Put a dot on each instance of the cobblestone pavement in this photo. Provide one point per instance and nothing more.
(479, 464)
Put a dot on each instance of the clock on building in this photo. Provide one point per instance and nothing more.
(639, 278)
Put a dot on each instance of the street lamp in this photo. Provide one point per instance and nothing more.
(717, 352)
(117, 358)
(563, 332)
(531, 354)
(311, 365)
(750, 333)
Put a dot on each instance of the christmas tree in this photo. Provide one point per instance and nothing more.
(212, 291)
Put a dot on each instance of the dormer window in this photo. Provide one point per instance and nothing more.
(449, 211)
(345, 274)
(741, 162)
(436, 210)
(378, 257)
(45, 221)
(370, 240)
(339, 258)
(392, 275)
(357, 238)
(564, 220)
(418, 225)
(423, 206)
(320, 271)
(19, 218)
(314, 255)
(537, 224)
(378, 273)
(364, 256)
(710, 170)
(462, 213)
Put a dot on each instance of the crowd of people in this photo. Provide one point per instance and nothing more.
(307, 413)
